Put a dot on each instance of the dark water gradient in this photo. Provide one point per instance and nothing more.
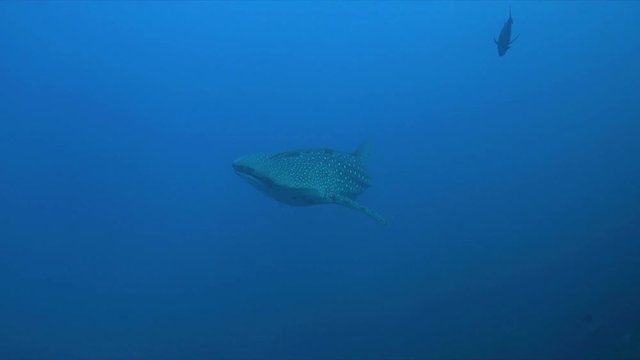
(511, 184)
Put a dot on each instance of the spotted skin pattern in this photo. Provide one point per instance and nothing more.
(309, 177)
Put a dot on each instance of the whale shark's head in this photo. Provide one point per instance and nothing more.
(269, 175)
(252, 168)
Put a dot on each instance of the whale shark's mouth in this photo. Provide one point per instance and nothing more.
(244, 170)
(250, 174)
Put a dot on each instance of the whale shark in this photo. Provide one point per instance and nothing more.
(307, 177)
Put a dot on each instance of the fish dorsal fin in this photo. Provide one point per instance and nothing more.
(362, 151)
(350, 203)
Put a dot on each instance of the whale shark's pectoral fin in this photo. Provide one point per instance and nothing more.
(350, 203)
(495, 41)
(514, 39)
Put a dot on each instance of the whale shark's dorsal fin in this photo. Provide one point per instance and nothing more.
(362, 152)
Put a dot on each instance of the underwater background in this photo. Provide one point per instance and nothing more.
(511, 185)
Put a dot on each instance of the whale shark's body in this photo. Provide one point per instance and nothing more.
(309, 177)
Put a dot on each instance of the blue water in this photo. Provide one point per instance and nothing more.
(511, 184)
